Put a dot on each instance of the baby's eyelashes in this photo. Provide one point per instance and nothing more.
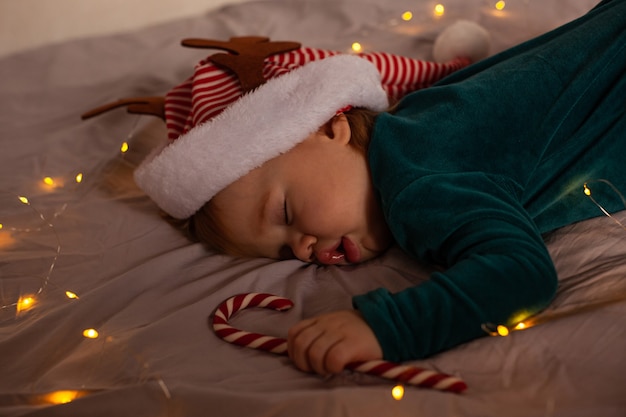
(285, 212)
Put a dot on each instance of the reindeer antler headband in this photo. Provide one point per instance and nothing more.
(246, 60)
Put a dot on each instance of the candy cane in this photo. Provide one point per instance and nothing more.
(402, 373)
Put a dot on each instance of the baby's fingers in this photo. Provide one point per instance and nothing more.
(325, 344)
(309, 343)
(319, 352)
(299, 338)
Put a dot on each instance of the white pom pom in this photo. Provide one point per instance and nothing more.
(462, 39)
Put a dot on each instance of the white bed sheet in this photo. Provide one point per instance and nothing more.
(149, 292)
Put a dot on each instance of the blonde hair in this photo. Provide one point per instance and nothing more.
(205, 225)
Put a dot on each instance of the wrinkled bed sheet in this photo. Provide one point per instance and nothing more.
(149, 292)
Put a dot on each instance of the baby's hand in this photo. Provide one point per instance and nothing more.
(326, 344)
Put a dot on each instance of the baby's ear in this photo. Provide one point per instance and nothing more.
(338, 128)
(327, 129)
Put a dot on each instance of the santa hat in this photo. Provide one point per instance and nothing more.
(218, 134)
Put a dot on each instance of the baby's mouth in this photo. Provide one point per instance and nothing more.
(344, 251)
(341, 251)
(333, 255)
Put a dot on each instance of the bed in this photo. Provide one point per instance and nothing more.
(105, 306)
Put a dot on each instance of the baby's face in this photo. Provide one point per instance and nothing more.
(315, 203)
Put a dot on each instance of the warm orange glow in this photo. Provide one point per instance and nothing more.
(502, 330)
(49, 183)
(6, 239)
(55, 397)
(90, 333)
(357, 47)
(71, 295)
(439, 10)
(397, 392)
(25, 303)
(61, 397)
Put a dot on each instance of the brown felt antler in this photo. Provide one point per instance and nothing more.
(246, 60)
(154, 106)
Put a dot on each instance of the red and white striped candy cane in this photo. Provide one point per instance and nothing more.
(407, 374)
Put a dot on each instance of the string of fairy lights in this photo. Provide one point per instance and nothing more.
(18, 306)
(28, 301)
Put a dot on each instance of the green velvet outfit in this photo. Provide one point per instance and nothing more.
(472, 172)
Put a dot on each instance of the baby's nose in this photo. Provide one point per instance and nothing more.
(302, 247)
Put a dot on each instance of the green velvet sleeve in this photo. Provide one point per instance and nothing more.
(500, 269)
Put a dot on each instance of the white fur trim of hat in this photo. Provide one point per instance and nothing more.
(259, 126)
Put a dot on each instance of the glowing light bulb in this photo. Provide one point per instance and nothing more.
(51, 183)
(23, 199)
(61, 397)
(71, 295)
(406, 16)
(124, 147)
(439, 10)
(357, 47)
(586, 190)
(25, 303)
(500, 5)
(520, 326)
(90, 333)
(79, 177)
(1, 226)
(397, 392)
(502, 330)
